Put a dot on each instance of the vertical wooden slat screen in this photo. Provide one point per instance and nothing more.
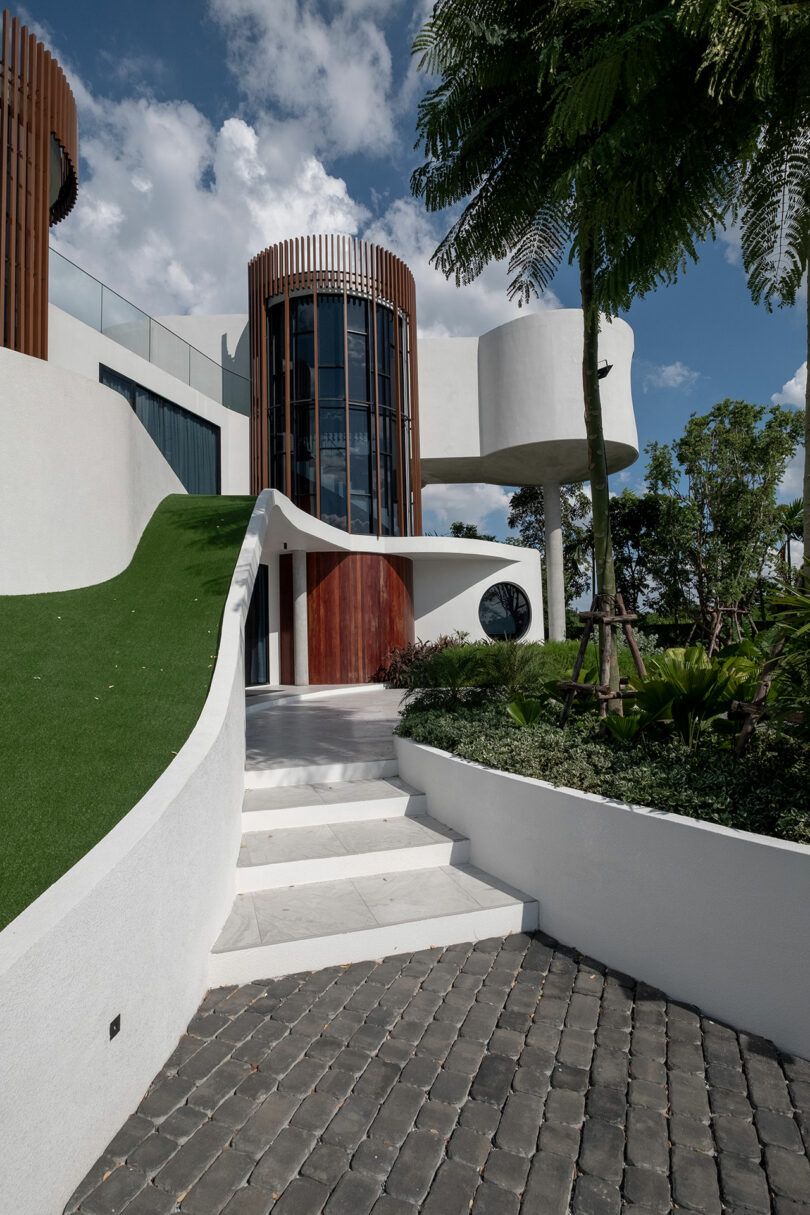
(35, 103)
(347, 266)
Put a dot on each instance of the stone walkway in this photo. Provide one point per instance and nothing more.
(513, 1075)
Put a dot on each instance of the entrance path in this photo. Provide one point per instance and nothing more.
(343, 727)
(509, 1075)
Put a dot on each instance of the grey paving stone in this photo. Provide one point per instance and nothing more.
(723, 1101)
(492, 1200)
(262, 1127)
(494, 1079)
(351, 1122)
(302, 1077)
(694, 1181)
(651, 1096)
(193, 1158)
(438, 1117)
(610, 1068)
(222, 1082)
(647, 1142)
(646, 1188)
(450, 1087)
(356, 1194)
(507, 1170)
(560, 1139)
(218, 1184)
(687, 1132)
(689, 1097)
(115, 1192)
(609, 1104)
(302, 1197)
(563, 1105)
(386, 1205)
(788, 1173)
(161, 1100)
(206, 1024)
(437, 1040)
(315, 1112)
(520, 1123)
(479, 1116)
(776, 1129)
(378, 1079)
(602, 1151)
(767, 1086)
(235, 1111)
(324, 1048)
(240, 1027)
(257, 1086)
(283, 1159)
(326, 1164)
(375, 1157)
(249, 1201)
(152, 1154)
(593, 1196)
(743, 1182)
(574, 1078)
(397, 1114)
(576, 1048)
(133, 1132)
(451, 1190)
(469, 1147)
(413, 1169)
(548, 1189)
(737, 1137)
(421, 1070)
(336, 1083)
(182, 1124)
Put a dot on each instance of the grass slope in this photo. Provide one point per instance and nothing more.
(100, 688)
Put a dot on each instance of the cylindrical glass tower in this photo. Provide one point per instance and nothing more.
(334, 411)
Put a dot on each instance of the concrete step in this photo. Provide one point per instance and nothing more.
(335, 802)
(304, 927)
(293, 856)
(319, 774)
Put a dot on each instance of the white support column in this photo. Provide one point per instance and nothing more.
(300, 629)
(555, 580)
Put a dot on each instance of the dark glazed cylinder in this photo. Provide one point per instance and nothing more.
(39, 160)
(333, 379)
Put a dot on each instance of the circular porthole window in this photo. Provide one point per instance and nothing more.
(504, 612)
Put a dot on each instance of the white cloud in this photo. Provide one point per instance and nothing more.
(444, 504)
(670, 375)
(332, 71)
(792, 392)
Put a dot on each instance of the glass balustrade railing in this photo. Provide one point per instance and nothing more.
(84, 297)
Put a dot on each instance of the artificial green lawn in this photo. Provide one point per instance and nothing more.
(100, 688)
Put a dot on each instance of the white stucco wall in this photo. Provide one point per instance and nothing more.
(80, 348)
(508, 408)
(714, 917)
(79, 478)
(447, 593)
(127, 930)
(224, 338)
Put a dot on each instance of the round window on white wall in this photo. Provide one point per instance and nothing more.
(504, 612)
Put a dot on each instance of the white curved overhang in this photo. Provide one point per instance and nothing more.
(508, 407)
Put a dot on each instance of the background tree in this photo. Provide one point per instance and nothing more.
(468, 531)
(723, 473)
(758, 52)
(791, 524)
(567, 124)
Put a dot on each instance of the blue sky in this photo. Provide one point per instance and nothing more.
(210, 130)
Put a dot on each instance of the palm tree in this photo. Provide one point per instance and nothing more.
(570, 126)
(758, 52)
(791, 522)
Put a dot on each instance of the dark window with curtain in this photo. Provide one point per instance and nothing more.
(277, 426)
(332, 410)
(257, 627)
(190, 445)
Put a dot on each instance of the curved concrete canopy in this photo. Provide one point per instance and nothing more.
(508, 407)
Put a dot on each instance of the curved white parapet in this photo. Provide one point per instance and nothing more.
(508, 407)
(713, 917)
(80, 478)
(127, 931)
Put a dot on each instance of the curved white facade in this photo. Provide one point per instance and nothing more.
(508, 407)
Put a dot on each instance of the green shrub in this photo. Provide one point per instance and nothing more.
(762, 791)
(398, 664)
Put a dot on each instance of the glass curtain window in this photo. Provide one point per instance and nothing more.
(190, 444)
(348, 461)
(257, 628)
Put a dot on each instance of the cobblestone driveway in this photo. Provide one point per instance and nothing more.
(513, 1075)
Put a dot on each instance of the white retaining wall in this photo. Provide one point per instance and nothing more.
(126, 931)
(714, 917)
(79, 478)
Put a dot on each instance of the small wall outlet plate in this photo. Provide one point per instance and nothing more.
(115, 1026)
